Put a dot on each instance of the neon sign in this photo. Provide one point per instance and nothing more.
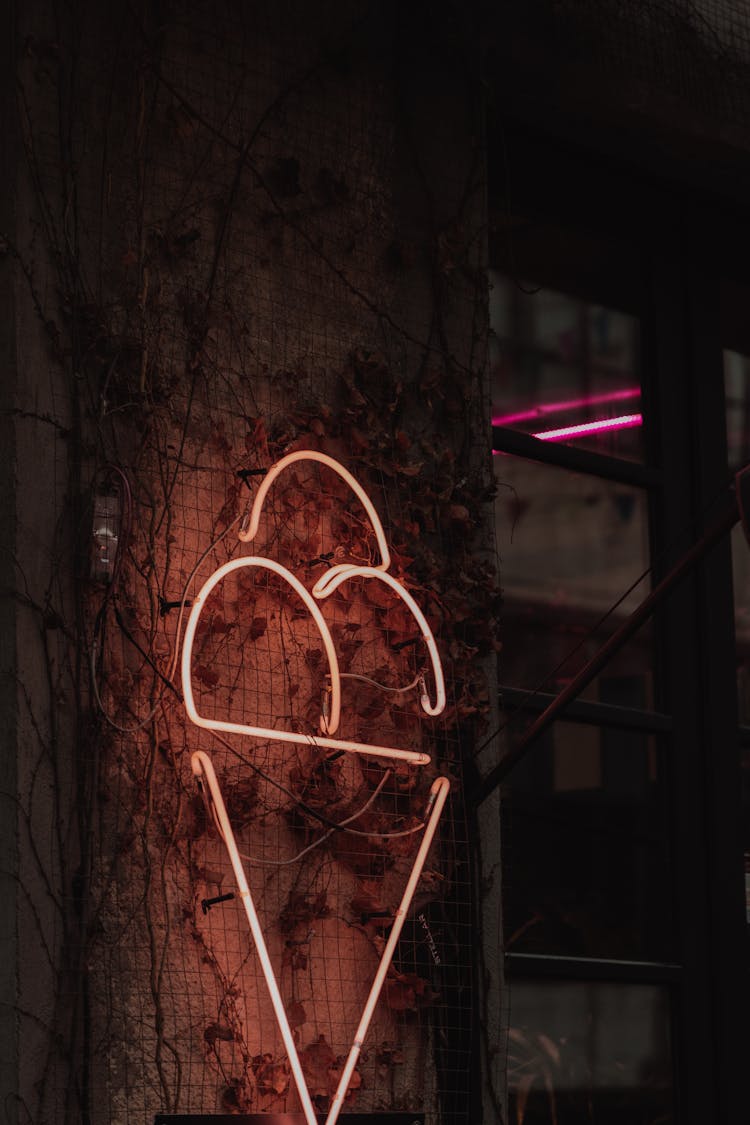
(323, 588)
(602, 425)
(582, 429)
(203, 770)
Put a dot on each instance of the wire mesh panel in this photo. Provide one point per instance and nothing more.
(233, 288)
(326, 897)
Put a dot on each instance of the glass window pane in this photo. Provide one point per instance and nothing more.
(583, 1053)
(741, 586)
(586, 869)
(569, 547)
(564, 369)
(746, 827)
(737, 399)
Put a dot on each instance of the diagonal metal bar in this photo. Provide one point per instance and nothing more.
(613, 645)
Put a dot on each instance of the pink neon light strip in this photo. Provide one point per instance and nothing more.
(622, 422)
(568, 404)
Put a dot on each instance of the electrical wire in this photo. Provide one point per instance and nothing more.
(321, 839)
(110, 597)
(300, 804)
(178, 629)
(123, 538)
(383, 687)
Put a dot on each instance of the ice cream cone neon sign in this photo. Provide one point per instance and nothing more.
(332, 580)
(205, 774)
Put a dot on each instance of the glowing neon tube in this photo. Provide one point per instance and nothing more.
(204, 772)
(622, 422)
(328, 726)
(333, 579)
(566, 404)
(249, 527)
(438, 796)
(206, 777)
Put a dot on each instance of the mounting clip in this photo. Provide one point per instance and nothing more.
(207, 903)
(245, 474)
(165, 606)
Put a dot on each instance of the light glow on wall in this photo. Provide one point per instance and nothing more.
(205, 775)
(438, 796)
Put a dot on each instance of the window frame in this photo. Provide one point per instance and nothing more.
(684, 245)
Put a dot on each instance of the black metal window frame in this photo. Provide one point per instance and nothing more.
(684, 244)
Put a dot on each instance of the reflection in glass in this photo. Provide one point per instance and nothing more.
(582, 1053)
(745, 762)
(737, 400)
(741, 586)
(585, 847)
(569, 547)
(564, 369)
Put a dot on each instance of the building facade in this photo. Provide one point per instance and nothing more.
(491, 259)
